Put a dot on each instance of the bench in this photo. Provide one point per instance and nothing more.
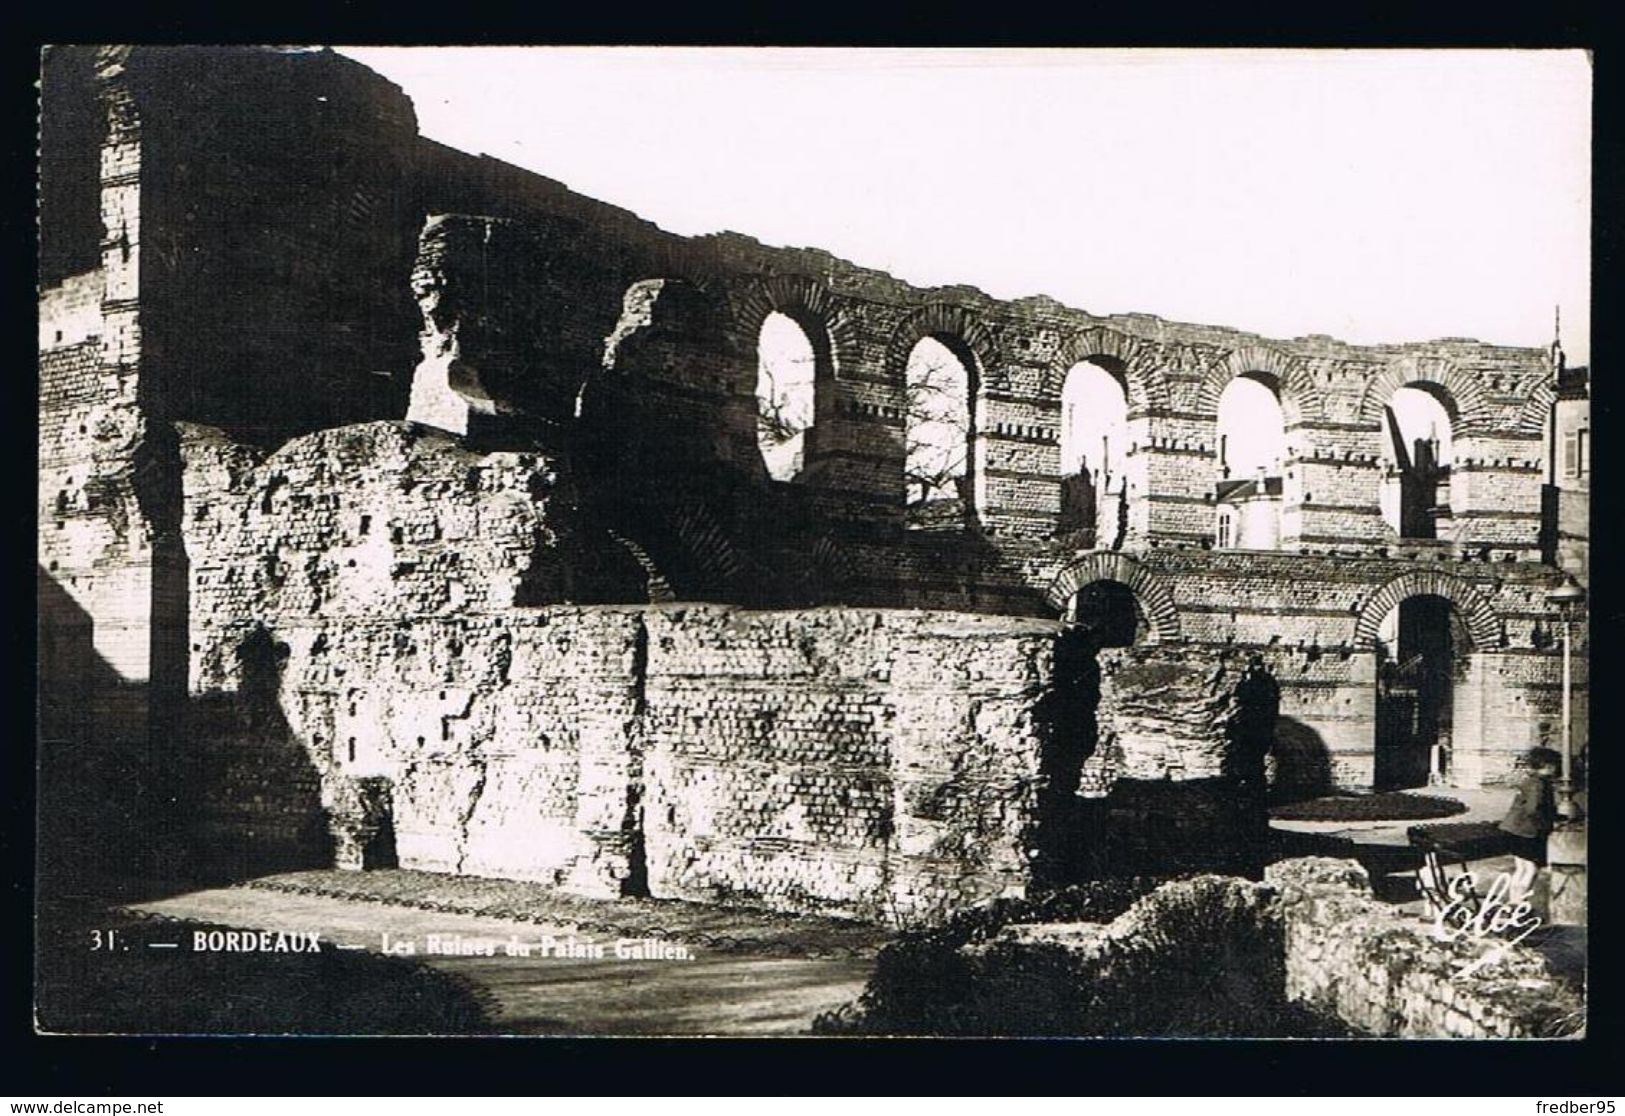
(1455, 845)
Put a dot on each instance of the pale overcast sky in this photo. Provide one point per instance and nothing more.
(1371, 195)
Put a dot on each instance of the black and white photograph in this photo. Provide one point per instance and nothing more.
(869, 542)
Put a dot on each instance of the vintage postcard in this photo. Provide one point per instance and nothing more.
(741, 542)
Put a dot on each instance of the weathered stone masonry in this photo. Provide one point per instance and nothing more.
(1310, 934)
(880, 763)
(859, 760)
(290, 610)
(673, 400)
(675, 390)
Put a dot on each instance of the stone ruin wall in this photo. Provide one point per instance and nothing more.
(1331, 393)
(1350, 957)
(702, 375)
(675, 387)
(876, 763)
(96, 577)
(378, 601)
(381, 576)
(1310, 934)
(355, 615)
(1169, 772)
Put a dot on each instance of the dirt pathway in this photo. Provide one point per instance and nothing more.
(572, 982)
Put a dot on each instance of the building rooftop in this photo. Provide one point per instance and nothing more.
(1232, 491)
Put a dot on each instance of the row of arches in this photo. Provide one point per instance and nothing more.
(1424, 629)
(1415, 449)
(1154, 596)
(940, 376)
(1142, 364)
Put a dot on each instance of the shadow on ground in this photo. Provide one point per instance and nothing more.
(704, 969)
(99, 971)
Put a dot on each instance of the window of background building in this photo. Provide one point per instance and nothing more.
(1575, 452)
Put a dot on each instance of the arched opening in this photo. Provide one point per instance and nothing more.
(1417, 447)
(1423, 649)
(1251, 460)
(938, 432)
(1108, 614)
(788, 368)
(1094, 443)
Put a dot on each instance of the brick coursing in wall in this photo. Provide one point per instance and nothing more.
(858, 761)
(883, 764)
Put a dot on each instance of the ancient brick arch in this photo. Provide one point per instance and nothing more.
(1151, 591)
(1482, 623)
(1459, 391)
(938, 318)
(1300, 396)
(1537, 410)
(828, 324)
(1145, 383)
